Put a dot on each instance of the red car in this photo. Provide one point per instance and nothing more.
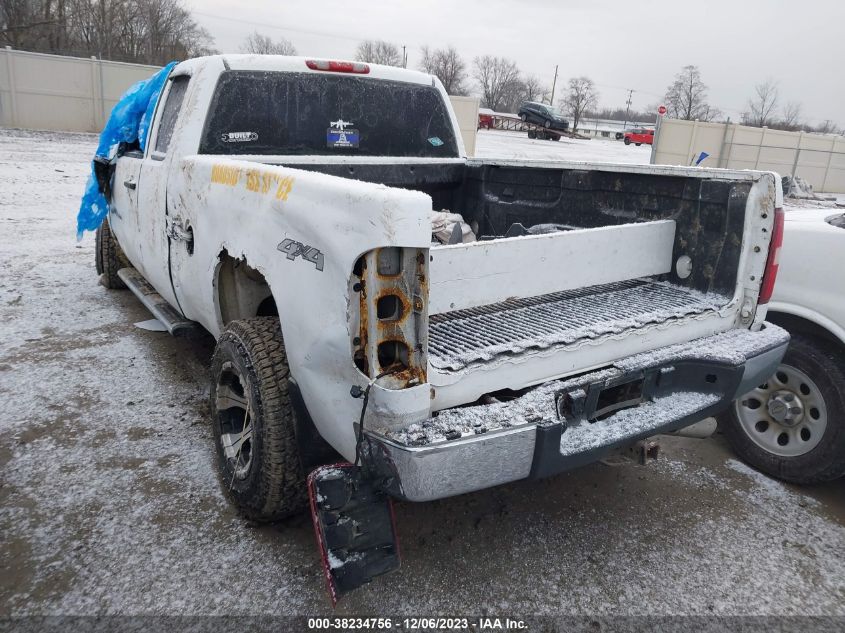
(485, 118)
(639, 136)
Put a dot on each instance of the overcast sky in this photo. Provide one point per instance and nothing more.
(637, 44)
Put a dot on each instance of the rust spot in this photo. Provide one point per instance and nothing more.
(360, 355)
(389, 314)
(390, 325)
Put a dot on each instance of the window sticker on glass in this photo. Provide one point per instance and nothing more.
(238, 137)
(340, 135)
(435, 140)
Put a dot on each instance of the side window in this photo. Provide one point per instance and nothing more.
(178, 88)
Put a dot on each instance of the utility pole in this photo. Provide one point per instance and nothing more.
(552, 98)
(404, 57)
(627, 109)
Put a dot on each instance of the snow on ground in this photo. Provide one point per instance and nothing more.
(109, 503)
(503, 144)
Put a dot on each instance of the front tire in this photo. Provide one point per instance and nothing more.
(627, 141)
(253, 421)
(108, 257)
(793, 426)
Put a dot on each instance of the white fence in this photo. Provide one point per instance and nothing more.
(52, 92)
(817, 158)
(76, 94)
(466, 111)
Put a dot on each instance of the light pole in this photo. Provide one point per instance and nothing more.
(627, 109)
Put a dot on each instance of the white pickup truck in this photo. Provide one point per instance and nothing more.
(286, 205)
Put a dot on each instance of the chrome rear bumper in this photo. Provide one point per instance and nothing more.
(548, 429)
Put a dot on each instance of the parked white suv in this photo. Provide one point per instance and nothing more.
(793, 425)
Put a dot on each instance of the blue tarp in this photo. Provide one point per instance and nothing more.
(128, 122)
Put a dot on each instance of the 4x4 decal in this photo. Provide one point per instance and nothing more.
(294, 249)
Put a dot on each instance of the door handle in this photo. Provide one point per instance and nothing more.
(129, 184)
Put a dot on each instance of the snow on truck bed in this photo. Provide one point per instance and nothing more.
(463, 337)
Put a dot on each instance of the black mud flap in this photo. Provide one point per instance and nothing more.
(354, 525)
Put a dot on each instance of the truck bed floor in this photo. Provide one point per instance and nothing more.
(460, 338)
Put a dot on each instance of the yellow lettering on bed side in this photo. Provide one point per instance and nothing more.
(256, 180)
(284, 188)
(253, 180)
(225, 175)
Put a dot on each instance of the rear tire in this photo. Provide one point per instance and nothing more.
(108, 257)
(253, 421)
(547, 124)
(532, 134)
(809, 448)
(523, 117)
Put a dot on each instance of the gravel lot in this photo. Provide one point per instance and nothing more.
(109, 503)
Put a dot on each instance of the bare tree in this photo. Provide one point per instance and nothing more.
(533, 89)
(622, 114)
(827, 127)
(445, 64)
(791, 116)
(581, 96)
(262, 45)
(145, 31)
(709, 113)
(378, 52)
(498, 79)
(686, 97)
(763, 104)
(514, 95)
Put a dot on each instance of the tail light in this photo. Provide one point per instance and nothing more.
(771, 272)
(338, 67)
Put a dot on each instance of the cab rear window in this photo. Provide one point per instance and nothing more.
(267, 113)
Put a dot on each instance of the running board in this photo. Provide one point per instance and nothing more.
(175, 323)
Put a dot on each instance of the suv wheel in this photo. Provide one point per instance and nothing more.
(627, 141)
(793, 426)
(253, 421)
(547, 124)
(524, 117)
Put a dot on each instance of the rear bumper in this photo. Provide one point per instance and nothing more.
(547, 430)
